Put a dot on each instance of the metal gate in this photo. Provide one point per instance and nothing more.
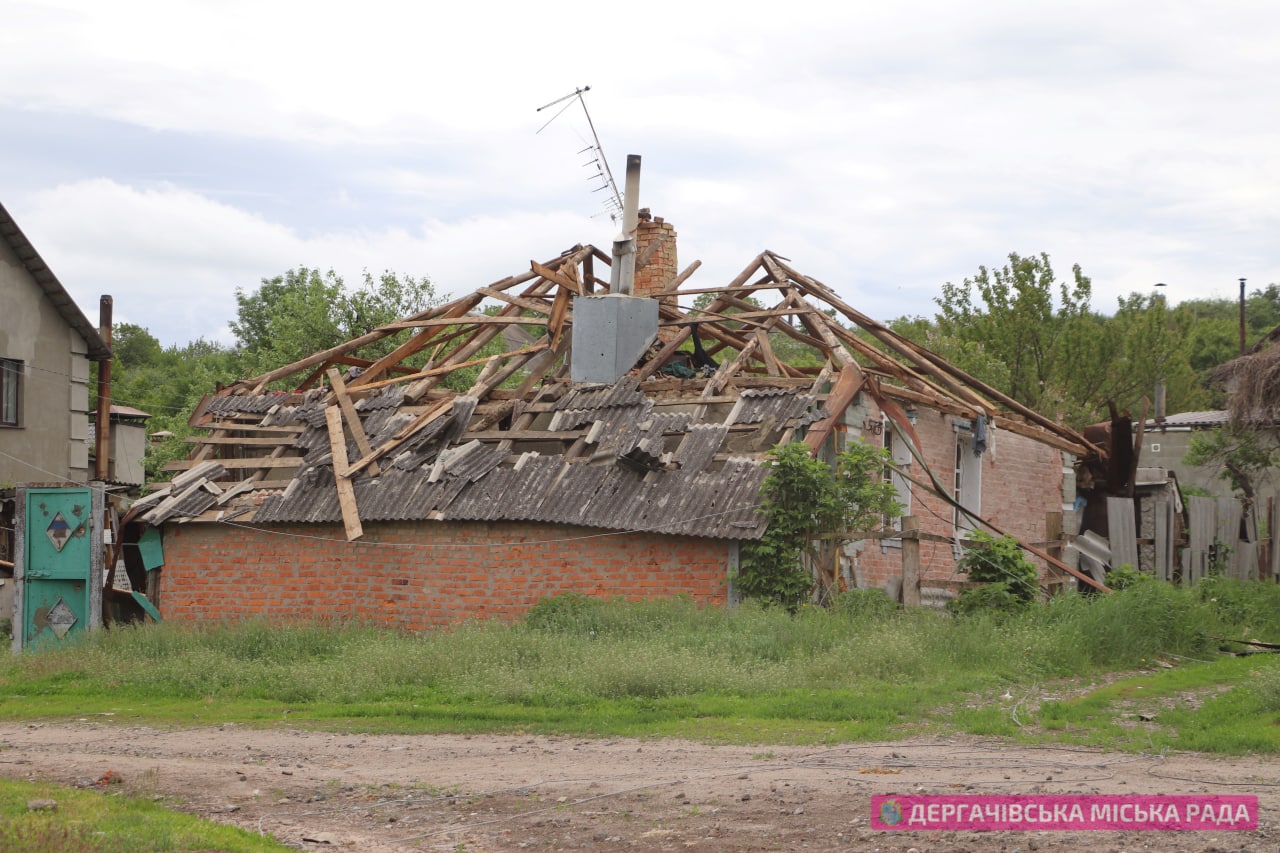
(58, 565)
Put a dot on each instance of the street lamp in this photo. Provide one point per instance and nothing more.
(1160, 392)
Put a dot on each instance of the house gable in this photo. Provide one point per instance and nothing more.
(46, 344)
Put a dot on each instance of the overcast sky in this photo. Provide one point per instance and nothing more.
(170, 151)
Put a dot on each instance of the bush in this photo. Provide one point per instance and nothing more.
(1267, 688)
(1011, 581)
(570, 612)
(864, 604)
(1123, 577)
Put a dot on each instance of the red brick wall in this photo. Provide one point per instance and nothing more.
(452, 571)
(1021, 483)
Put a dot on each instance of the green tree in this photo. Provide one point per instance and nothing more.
(1019, 316)
(1036, 339)
(292, 315)
(812, 510)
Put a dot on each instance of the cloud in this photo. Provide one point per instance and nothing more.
(173, 259)
(172, 151)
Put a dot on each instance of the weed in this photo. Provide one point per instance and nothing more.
(864, 669)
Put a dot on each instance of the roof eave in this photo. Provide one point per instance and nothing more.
(48, 282)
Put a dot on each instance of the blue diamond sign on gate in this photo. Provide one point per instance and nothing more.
(58, 531)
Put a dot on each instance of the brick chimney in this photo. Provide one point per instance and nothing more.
(656, 265)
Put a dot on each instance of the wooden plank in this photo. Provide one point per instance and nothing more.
(417, 342)
(556, 276)
(449, 368)
(285, 439)
(352, 417)
(1122, 532)
(406, 432)
(910, 561)
(559, 310)
(533, 305)
(291, 428)
(847, 386)
(766, 350)
(346, 491)
(240, 464)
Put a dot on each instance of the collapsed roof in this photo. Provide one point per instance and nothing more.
(463, 412)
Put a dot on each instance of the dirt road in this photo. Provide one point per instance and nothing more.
(385, 794)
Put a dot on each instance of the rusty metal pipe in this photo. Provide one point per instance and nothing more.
(102, 436)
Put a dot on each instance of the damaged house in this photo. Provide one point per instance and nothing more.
(587, 434)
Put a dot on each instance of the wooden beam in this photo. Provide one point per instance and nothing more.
(519, 301)
(286, 439)
(240, 464)
(848, 384)
(559, 310)
(406, 432)
(556, 276)
(353, 418)
(293, 429)
(766, 350)
(346, 491)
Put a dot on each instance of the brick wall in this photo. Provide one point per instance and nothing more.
(449, 572)
(1021, 483)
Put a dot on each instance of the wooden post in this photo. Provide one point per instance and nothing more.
(910, 561)
(1053, 547)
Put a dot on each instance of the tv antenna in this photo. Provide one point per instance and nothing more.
(603, 175)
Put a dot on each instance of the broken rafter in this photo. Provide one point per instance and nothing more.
(444, 369)
(919, 356)
(352, 417)
(346, 491)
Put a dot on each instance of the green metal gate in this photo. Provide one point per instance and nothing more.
(58, 571)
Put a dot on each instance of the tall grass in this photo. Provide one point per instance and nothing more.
(573, 652)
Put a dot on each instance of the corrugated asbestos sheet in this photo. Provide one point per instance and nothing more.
(757, 406)
(624, 478)
(700, 445)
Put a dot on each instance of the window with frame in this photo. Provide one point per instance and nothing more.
(10, 392)
(968, 482)
(900, 452)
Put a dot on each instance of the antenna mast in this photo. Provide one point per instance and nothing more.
(613, 202)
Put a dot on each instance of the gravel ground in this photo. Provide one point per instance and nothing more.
(384, 793)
